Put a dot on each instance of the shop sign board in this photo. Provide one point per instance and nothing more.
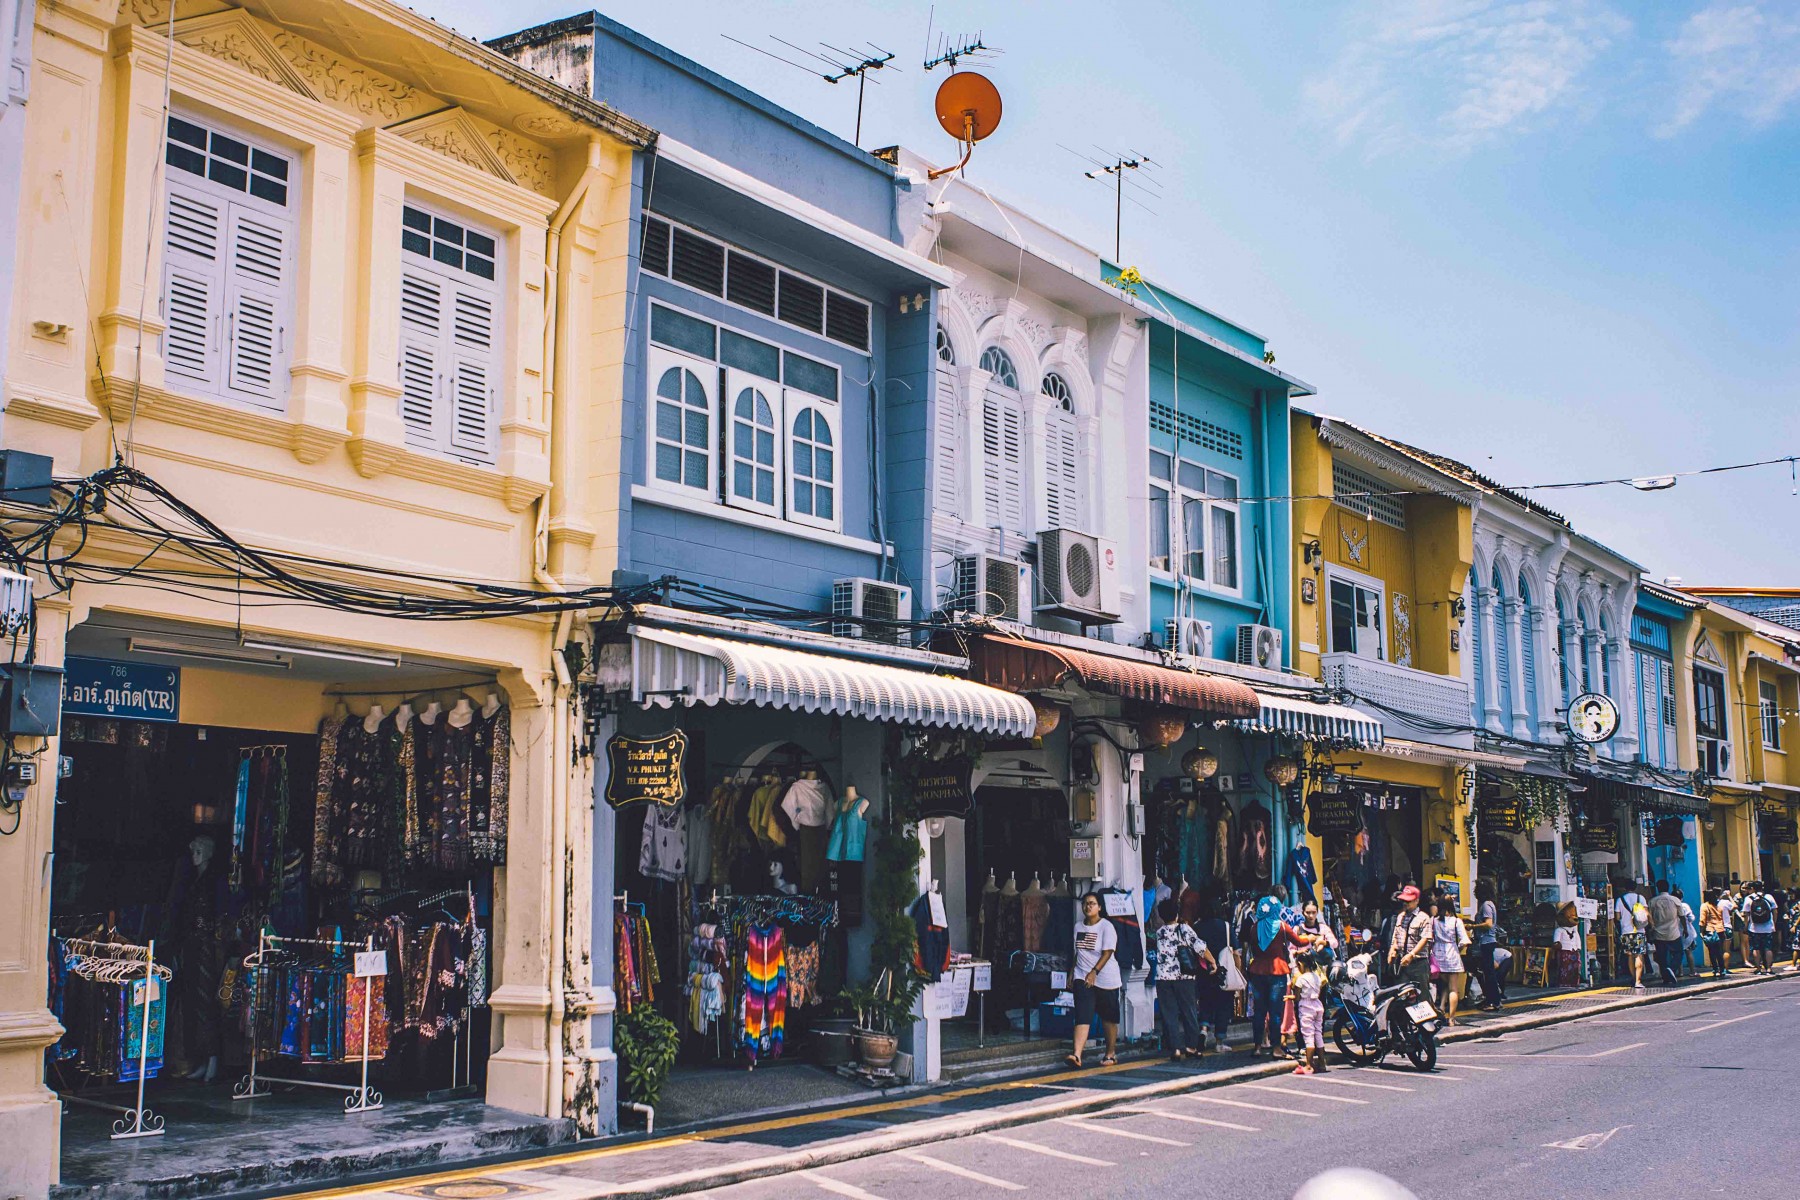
(1780, 830)
(1502, 813)
(942, 789)
(1600, 837)
(647, 769)
(132, 691)
(1334, 812)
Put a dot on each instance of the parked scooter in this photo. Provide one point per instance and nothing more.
(1373, 1022)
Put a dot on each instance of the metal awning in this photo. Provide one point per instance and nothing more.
(1312, 720)
(669, 667)
(1670, 801)
(1022, 666)
(1450, 755)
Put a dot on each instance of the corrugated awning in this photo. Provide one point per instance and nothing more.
(1021, 666)
(668, 667)
(1312, 720)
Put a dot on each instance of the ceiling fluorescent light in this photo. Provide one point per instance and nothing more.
(373, 660)
(223, 654)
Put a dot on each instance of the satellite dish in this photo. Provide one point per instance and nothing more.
(968, 106)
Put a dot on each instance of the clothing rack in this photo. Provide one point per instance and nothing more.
(417, 693)
(138, 1121)
(762, 909)
(361, 1097)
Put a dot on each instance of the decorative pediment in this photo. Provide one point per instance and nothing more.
(454, 135)
(235, 37)
(1706, 652)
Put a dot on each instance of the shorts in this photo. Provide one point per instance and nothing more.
(1762, 942)
(1312, 1025)
(1634, 943)
(1092, 1000)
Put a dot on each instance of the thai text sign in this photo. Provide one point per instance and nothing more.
(942, 789)
(651, 769)
(1334, 812)
(104, 687)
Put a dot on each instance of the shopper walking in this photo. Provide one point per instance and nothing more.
(1097, 980)
(1449, 938)
(1308, 988)
(1690, 935)
(1409, 945)
(1270, 963)
(1181, 958)
(1486, 930)
(1217, 1004)
(1728, 910)
(1666, 928)
(1631, 912)
(1762, 910)
(1715, 931)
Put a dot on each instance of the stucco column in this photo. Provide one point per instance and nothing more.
(602, 825)
(1513, 686)
(30, 1115)
(318, 399)
(1491, 686)
(377, 434)
(1624, 675)
(1120, 861)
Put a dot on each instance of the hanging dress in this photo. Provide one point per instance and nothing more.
(765, 991)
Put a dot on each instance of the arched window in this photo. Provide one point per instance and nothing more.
(1583, 639)
(682, 437)
(812, 475)
(1503, 656)
(1566, 653)
(1478, 638)
(1606, 677)
(755, 447)
(995, 362)
(1528, 653)
(945, 351)
(1062, 473)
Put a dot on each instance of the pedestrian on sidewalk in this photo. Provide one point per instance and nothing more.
(1631, 912)
(1792, 909)
(1715, 931)
(1097, 980)
(1217, 1004)
(1449, 938)
(1308, 987)
(1274, 942)
(1318, 928)
(1181, 958)
(1762, 911)
(1690, 936)
(1728, 912)
(1409, 945)
(1486, 928)
(1666, 928)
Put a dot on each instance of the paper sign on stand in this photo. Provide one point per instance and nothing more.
(960, 986)
(371, 964)
(984, 977)
(1059, 980)
(1118, 904)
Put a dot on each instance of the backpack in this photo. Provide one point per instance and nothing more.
(1640, 912)
(1761, 909)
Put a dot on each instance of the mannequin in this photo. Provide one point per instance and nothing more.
(403, 717)
(1012, 885)
(844, 855)
(431, 713)
(195, 900)
(1034, 913)
(372, 722)
(462, 714)
(490, 706)
(340, 710)
(777, 882)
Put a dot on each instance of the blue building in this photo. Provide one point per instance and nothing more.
(1671, 840)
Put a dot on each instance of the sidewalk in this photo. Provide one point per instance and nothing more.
(699, 1159)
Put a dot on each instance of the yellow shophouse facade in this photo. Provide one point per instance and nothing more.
(321, 269)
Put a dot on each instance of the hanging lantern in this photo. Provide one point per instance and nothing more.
(1281, 770)
(1161, 729)
(1200, 763)
(1049, 716)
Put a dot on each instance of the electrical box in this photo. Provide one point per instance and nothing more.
(1084, 858)
(33, 701)
(26, 478)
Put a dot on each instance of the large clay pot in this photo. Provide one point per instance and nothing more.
(876, 1050)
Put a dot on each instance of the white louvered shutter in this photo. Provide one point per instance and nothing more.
(193, 283)
(257, 273)
(947, 421)
(1002, 447)
(1062, 486)
(421, 353)
(471, 337)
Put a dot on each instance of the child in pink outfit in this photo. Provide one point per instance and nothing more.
(1307, 984)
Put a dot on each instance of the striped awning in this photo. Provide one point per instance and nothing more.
(1022, 666)
(1312, 720)
(669, 667)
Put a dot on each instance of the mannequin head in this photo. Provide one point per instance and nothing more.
(200, 850)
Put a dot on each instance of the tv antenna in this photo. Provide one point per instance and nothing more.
(949, 50)
(1118, 167)
(840, 65)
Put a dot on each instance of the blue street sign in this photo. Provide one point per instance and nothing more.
(105, 687)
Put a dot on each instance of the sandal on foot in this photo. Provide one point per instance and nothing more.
(1072, 1061)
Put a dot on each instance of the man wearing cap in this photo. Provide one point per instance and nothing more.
(1409, 946)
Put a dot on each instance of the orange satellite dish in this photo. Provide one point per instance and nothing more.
(968, 107)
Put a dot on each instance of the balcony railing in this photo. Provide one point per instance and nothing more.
(1397, 690)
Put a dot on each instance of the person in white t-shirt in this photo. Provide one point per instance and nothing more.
(1631, 912)
(1759, 906)
(1096, 980)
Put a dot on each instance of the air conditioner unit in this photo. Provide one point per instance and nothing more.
(874, 599)
(1259, 646)
(1188, 635)
(1080, 576)
(991, 586)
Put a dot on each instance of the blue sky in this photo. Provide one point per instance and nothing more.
(1555, 240)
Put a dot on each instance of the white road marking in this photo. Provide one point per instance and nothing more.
(1464, 1066)
(1579, 1057)
(1174, 1116)
(1357, 1083)
(842, 1189)
(950, 1168)
(1610, 1053)
(1289, 1112)
(1097, 1127)
(1269, 1087)
(1435, 1075)
(1587, 1141)
(1730, 1021)
(1020, 1144)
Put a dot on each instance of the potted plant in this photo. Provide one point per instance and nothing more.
(879, 1012)
(646, 1042)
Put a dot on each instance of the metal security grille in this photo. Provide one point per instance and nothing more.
(1361, 492)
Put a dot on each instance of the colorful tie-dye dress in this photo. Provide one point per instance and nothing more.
(765, 991)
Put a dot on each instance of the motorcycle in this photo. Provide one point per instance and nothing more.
(1372, 1022)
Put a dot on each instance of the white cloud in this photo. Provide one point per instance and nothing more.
(1738, 57)
(1456, 73)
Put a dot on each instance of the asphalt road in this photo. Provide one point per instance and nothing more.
(1677, 1100)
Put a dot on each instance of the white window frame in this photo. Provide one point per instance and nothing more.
(1180, 495)
(737, 382)
(233, 296)
(1166, 486)
(659, 361)
(1769, 709)
(1360, 582)
(795, 403)
(457, 361)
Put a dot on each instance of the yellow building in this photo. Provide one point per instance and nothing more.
(320, 269)
(1384, 546)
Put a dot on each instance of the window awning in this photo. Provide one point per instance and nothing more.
(1312, 720)
(1021, 666)
(668, 667)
